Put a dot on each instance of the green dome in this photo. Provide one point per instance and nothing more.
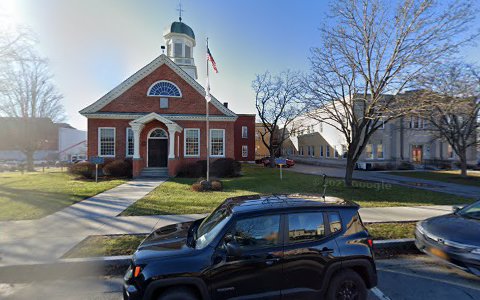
(180, 27)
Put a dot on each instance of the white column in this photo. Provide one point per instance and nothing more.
(137, 129)
(171, 142)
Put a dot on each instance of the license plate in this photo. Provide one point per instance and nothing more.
(439, 253)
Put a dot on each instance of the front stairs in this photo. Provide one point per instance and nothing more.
(154, 173)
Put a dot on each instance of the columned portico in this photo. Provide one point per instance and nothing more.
(138, 125)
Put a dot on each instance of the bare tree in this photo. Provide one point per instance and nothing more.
(452, 92)
(277, 99)
(29, 94)
(369, 49)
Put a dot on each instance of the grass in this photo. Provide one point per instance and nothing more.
(176, 196)
(106, 245)
(451, 176)
(113, 245)
(387, 231)
(36, 194)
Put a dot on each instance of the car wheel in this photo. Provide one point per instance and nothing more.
(347, 285)
(180, 293)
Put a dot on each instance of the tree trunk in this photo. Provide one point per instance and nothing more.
(349, 171)
(272, 158)
(463, 163)
(29, 155)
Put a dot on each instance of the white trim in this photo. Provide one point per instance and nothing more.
(210, 142)
(120, 116)
(99, 142)
(157, 138)
(126, 141)
(168, 96)
(148, 142)
(144, 72)
(185, 142)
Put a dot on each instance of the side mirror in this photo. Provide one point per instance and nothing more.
(455, 209)
(233, 249)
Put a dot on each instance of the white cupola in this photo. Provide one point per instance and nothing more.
(180, 41)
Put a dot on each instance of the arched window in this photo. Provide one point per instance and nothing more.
(164, 88)
(158, 134)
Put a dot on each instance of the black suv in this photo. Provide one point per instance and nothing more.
(258, 247)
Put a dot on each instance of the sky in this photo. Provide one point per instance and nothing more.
(93, 45)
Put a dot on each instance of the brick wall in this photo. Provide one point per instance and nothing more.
(249, 121)
(136, 100)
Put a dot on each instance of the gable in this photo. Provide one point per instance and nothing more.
(131, 95)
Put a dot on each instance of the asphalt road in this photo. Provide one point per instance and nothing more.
(413, 277)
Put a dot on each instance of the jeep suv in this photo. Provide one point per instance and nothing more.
(258, 247)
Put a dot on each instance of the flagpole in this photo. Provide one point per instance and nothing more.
(207, 98)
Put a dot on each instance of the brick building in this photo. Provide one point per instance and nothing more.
(157, 116)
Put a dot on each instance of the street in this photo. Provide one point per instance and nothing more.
(412, 277)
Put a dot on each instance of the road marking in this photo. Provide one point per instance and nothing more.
(473, 287)
(380, 295)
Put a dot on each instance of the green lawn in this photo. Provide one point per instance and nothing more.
(176, 196)
(106, 245)
(35, 194)
(387, 231)
(452, 176)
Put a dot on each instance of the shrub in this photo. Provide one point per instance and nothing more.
(405, 166)
(226, 167)
(193, 169)
(203, 185)
(85, 169)
(118, 168)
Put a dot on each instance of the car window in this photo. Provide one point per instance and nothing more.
(472, 211)
(335, 222)
(258, 232)
(211, 226)
(305, 227)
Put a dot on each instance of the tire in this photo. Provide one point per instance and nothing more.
(178, 293)
(347, 285)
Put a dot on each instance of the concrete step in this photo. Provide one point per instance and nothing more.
(154, 172)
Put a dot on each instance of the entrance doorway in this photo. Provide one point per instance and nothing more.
(417, 154)
(157, 149)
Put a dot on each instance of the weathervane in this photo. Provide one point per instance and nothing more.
(180, 10)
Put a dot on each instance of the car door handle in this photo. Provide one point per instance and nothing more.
(271, 261)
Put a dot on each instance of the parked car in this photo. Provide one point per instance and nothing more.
(289, 162)
(454, 238)
(258, 247)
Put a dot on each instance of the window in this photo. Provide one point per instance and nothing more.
(129, 141)
(344, 150)
(335, 152)
(158, 134)
(257, 136)
(301, 150)
(244, 151)
(106, 141)
(258, 232)
(217, 142)
(380, 151)
(192, 142)
(304, 227)
(177, 47)
(188, 52)
(321, 150)
(450, 153)
(164, 88)
(244, 132)
(328, 150)
(313, 151)
(369, 151)
(335, 222)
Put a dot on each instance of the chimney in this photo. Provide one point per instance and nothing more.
(225, 104)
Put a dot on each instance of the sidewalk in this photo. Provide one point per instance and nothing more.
(48, 238)
(431, 185)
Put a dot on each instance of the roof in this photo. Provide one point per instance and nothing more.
(144, 72)
(268, 202)
(180, 27)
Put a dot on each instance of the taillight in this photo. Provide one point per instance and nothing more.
(136, 271)
(370, 243)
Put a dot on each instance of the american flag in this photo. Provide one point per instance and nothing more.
(210, 58)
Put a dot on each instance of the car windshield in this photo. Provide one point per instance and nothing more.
(210, 227)
(471, 211)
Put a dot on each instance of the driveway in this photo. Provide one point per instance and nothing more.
(384, 177)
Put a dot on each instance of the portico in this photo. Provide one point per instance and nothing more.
(149, 138)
